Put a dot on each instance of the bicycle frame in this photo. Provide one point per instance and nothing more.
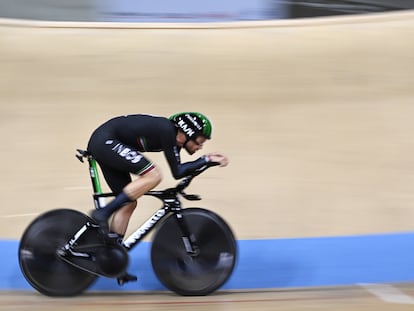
(169, 197)
(193, 252)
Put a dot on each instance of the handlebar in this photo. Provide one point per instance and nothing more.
(184, 183)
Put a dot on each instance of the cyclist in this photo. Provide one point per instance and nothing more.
(118, 146)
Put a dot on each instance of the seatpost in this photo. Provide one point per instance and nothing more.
(98, 199)
(98, 196)
(93, 172)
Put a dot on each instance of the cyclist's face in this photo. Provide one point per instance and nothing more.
(194, 145)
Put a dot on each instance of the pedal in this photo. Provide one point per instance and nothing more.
(126, 279)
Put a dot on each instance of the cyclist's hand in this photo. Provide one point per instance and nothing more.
(219, 158)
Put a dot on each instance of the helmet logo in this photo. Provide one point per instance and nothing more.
(195, 123)
(185, 128)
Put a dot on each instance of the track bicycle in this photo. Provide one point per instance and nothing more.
(63, 251)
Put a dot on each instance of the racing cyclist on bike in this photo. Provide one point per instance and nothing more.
(118, 146)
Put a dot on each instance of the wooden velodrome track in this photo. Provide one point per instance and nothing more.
(315, 115)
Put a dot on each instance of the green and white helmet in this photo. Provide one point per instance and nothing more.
(193, 124)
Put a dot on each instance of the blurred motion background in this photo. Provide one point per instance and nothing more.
(190, 11)
(315, 113)
(316, 116)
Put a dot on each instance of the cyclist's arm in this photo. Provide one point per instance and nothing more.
(180, 170)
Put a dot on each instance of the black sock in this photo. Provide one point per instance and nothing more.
(119, 201)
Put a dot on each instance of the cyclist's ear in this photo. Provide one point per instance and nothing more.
(181, 138)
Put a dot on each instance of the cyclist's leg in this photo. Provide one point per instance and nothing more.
(144, 183)
(121, 217)
(134, 190)
(116, 181)
(117, 162)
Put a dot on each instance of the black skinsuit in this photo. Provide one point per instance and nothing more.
(117, 146)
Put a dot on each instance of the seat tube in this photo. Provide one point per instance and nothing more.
(96, 183)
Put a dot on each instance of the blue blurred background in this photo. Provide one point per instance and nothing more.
(190, 10)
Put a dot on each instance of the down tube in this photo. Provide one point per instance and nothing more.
(142, 231)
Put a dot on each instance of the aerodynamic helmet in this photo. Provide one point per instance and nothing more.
(193, 124)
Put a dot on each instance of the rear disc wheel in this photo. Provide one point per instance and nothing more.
(39, 262)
